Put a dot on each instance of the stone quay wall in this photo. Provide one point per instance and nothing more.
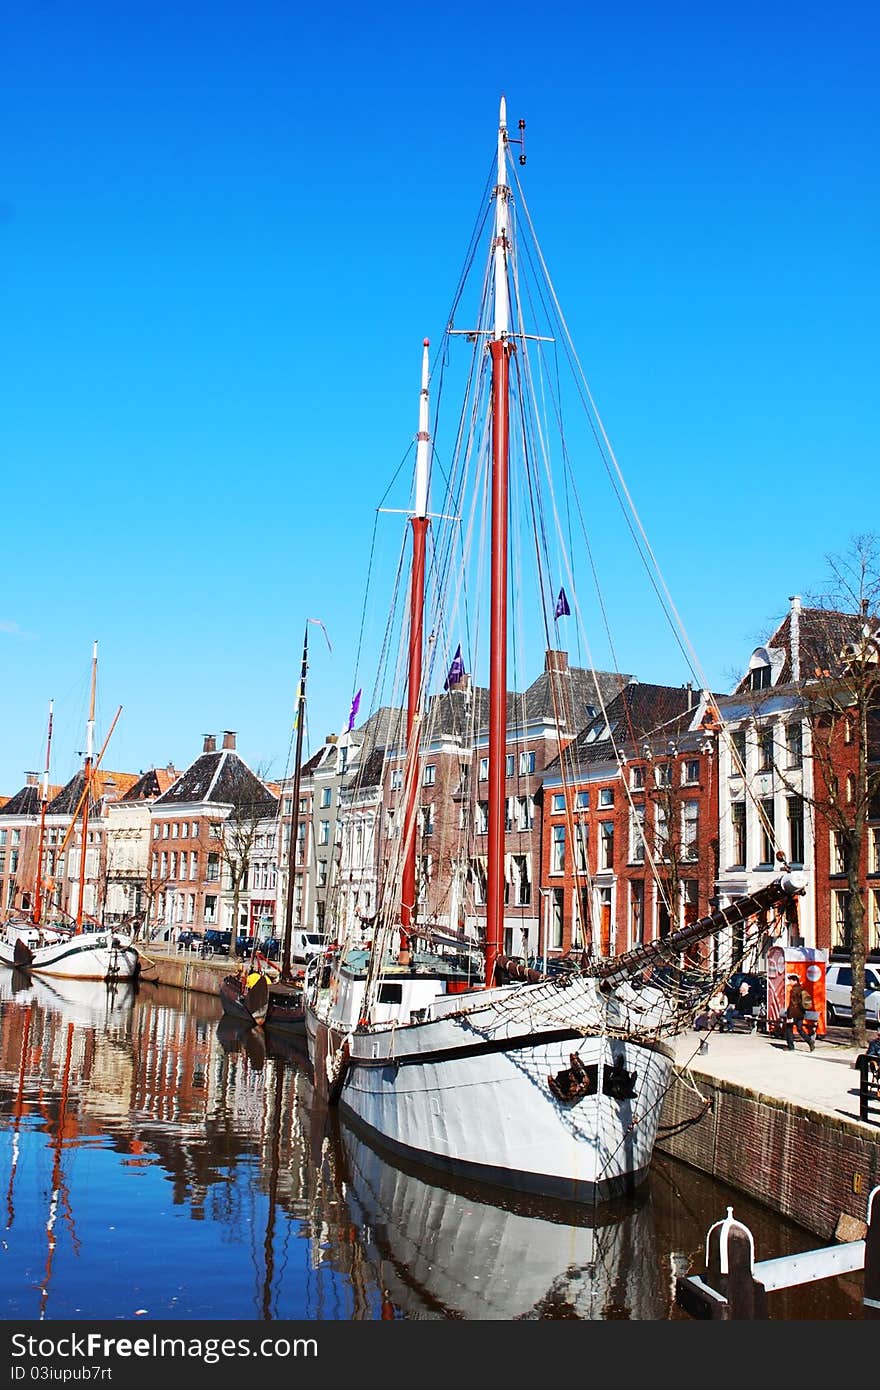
(805, 1164)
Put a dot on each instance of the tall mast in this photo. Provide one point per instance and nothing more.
(500, 350)
(294, 813)
(41, 839)
(87, 789)
(416, 646)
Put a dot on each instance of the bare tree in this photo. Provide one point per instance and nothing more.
(252, 804)
(839, 697)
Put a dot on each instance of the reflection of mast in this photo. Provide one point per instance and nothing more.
(59, 1189)
(19, 1108)
(44, 801)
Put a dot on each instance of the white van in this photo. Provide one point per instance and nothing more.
(306, 944)
(838, 989)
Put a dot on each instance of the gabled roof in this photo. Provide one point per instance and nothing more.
(219, 779)
(822, 637)
(151, 784)
(639, 712)
(67, 800)
(25, 802)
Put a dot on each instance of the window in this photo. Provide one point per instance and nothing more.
(478, 879)
(765, 750)
(509, 765)
(794, 743)
(174, 829)
(556, 918)
(582, 801)
(637, 835)
(691, 771)
(737, 752)
(765, 819)
(606, 796)
(661, 775)
(484, 769)
(838, 852)
(661, 833)
(193, 866)
(396, 779)
(213, 868)
(738, 834)
(324, 833)
(606, 844)
(164, 869)
(874, 850)
(636, 912)
(690, 829)
(581, 846)
(558, 801)
(482, 817)
(841, 926)
(874, 921)
(210, 910)
(509, 812)
(525, 812)
(526, 764)
(557, 849)
(322, 873)
(427, 817)
(214, 830)
(195, 828)
(174, 865)
(848, 729)
(522, 879)
(637, 777)
(850, 788)
(155, 832)
(429, 775)
(184, 830)
(794, 806)
(759, 678)
(326, 796)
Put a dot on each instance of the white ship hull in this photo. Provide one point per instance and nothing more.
(99, 955)
(469, 1091)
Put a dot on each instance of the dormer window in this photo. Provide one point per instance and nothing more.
(759, 678)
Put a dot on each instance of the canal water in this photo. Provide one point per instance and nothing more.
(157, 1164)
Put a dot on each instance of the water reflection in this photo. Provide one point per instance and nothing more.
(162, 1164)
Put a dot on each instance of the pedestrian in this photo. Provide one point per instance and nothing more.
(795, 1015)
(716, 1008)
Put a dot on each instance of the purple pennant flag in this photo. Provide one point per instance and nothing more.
(456, 670)
(562, 608)
(355, 706)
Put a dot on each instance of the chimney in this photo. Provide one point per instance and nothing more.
(32, 779)
(229, 738)
(210, 744)
(689, 687)
(109, 785)
(556, 661)
(795, 601)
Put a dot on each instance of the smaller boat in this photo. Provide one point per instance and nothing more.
(245, 996)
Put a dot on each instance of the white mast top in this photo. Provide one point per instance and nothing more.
(423, 440)
(46, 769)
(90, 726)
(502, 194)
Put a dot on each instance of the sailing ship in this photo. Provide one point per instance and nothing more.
(79, 949)
(546, 1082)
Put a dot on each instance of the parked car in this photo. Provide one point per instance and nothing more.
(218, 943)
(188, 939)
(270, 947)
(838, 991)
(306, 944)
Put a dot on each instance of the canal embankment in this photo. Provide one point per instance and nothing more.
(782, 1127)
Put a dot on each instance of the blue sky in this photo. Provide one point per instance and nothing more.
(226, 230)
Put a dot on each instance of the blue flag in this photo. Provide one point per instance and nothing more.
(355, 706)
(456, 670)
(562, 609)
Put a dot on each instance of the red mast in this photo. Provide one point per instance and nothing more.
(87, 790)
(419, 521)
(500, 350)
(41, 839)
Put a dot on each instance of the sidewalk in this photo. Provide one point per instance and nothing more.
(825, 1080)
